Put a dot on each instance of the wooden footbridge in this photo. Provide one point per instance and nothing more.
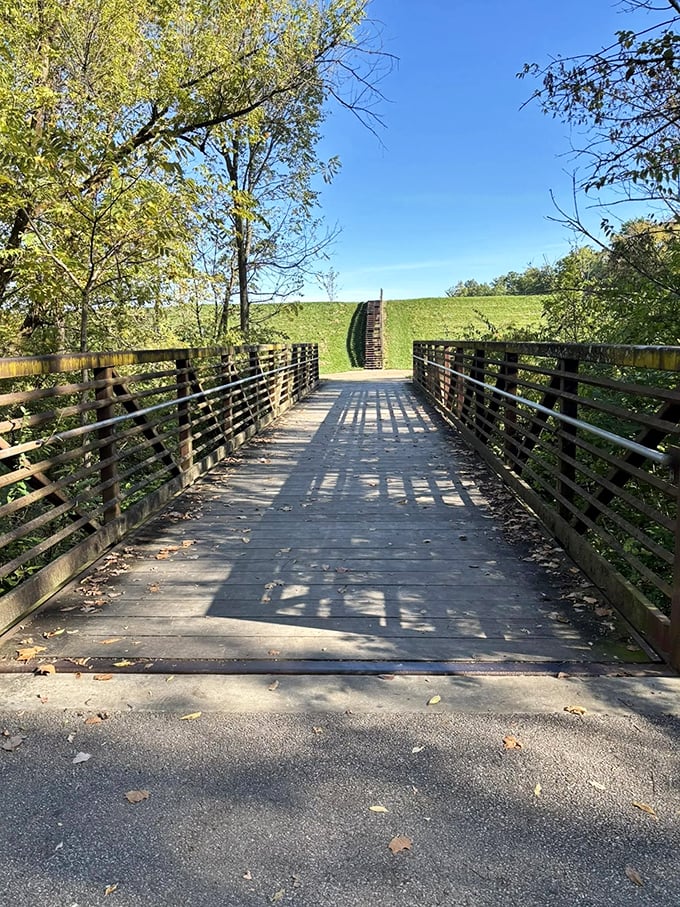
(160, 513)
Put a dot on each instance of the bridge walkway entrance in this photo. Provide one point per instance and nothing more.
(357, 534)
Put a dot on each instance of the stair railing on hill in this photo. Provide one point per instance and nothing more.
(373, 355)
(92, 443)
(588, 436)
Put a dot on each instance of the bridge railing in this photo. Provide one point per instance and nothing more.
(93, 443)
(588, 436)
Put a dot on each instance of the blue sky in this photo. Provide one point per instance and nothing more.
(459, 184)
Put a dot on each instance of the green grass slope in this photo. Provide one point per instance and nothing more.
(455, 318)
(334, 325)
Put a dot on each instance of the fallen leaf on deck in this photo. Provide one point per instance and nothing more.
(417, 749)
(537, 790)
(561, 675)
(191, 716)
(30, 652)
(434, 700)
(93, 719)
(81, 757)
(154, 587)
(245, 540)
(110, 889)
(603, 612)
(511, 743)
(596, 785)
(103, 676)
(634, 876)
(400, 843)
(187, 543)
(274, 652)
(109, 642)
(125, 663)
(13, 743)
(378, 809)
(273, 686)
(575, 710)
(248, 876)
(162, 555)
(645, 808)
(317, 730)
(50, 634)
(278, 896)
(136, 796)
(45, 669)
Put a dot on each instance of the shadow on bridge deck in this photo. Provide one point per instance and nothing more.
(352, 535)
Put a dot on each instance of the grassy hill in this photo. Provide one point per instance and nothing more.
(334, 325)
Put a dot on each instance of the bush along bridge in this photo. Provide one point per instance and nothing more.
(140, 532)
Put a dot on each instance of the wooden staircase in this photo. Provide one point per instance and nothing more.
(373, 357)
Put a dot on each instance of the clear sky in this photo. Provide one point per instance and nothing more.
(460, 186)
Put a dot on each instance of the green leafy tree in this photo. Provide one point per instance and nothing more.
(93, 94)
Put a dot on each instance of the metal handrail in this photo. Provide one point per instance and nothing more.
(115, 420)
(656, 456)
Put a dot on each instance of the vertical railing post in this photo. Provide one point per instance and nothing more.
(510, 409)
(107, 450)
(227, 397)
(568, 386)
(254, 387)
(458, 364)
(673, 645)
(478, 371)
(186, 453)
(314, 353)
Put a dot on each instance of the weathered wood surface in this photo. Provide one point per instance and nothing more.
(354, 529)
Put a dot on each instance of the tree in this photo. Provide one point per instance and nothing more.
(623, 99)
(328, 281)
(103, 90)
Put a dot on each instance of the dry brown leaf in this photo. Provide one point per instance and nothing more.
(93, 719)
(110, 889)
(12, 743)
(45, 669)
(634, 876)
(433, 700)
(103, 676)
(136, 796)
(400, 844)
(317, 730)
(192, 716)
(109, 642)
(124, 663)
(30, 652)
(646, 808)
(50, 634)
(154, 587)
(273, 686)
(378, 809)
(187, 543)
(274, 652)
(511, 743)
(162, 555)
(575, 710)
(603, 612)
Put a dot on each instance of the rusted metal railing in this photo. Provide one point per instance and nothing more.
(91, 444)
(588, 436)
